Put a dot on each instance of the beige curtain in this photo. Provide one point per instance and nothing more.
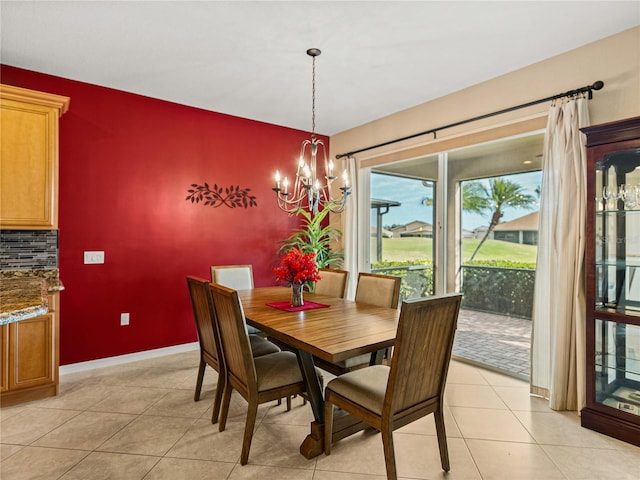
(350, 229)
(558, 331)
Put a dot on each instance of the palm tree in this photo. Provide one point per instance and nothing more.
(500, 194)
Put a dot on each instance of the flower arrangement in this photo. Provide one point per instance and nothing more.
(297, 267)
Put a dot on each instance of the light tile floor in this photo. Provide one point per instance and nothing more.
(139, 421)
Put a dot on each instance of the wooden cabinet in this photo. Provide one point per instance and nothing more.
(30, 357)
(613, 280)
(29, 152)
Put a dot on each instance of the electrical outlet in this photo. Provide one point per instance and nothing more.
(124, 319)
(93, 257)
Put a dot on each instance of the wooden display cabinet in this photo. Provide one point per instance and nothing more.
(29, 152)
(30, 357)
(613, 280)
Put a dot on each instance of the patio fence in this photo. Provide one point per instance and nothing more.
(499, 290)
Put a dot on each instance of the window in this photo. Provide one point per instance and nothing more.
(402, 219)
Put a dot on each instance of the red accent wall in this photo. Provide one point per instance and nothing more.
(126, 163)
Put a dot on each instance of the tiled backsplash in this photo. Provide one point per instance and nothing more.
(26, 249)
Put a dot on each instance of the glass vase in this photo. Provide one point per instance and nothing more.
(297, 299)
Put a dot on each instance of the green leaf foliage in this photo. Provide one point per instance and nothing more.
(502, 263)
(315, 236)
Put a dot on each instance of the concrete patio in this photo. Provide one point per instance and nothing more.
(496, 341)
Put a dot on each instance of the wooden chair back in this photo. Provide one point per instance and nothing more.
(236, 277)
(333, 282)
(377, 289)
(422, 353)
(210, 347)
(203, 315)
(234, 339)
(413, 384)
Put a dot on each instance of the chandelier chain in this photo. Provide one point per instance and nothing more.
(313, 97)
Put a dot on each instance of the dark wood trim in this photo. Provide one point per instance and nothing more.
(615, 427)
(612, 132)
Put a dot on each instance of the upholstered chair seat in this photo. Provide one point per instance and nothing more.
(366, 387)
(261, 346)
(277, 369)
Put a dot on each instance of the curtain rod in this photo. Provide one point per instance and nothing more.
(571, 93)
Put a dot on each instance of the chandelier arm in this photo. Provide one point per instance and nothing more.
(291, 206)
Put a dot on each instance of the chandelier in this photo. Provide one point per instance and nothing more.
(308, 191)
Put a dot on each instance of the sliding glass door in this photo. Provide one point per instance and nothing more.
(466, 221)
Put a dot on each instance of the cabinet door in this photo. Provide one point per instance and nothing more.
(32, 352)
(28, 165)
(29, 152)
(4, 358)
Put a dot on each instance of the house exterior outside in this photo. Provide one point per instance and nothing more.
(385, 233)
(416, 228)
(522, 230)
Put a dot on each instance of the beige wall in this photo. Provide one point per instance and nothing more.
(615, 60)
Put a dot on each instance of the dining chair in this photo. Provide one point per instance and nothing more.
(258, 380)
(236, 277)
(390, 397)
(203, 313)
(378, 289)
(333, 282)
(373, 289)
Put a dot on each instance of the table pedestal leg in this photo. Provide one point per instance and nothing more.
(344, 424)
(313, 445)
(312, 382)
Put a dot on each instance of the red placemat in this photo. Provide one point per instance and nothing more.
(286, 306)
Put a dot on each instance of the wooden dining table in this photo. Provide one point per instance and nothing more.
(341, 330)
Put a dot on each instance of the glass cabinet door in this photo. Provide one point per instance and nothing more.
(617, 231)
(617, 277)
(618, 365)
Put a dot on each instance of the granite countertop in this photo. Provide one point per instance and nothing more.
(23, 293)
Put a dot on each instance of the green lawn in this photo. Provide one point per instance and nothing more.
(421, 248)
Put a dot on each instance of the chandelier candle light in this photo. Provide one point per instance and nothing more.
(308, 192)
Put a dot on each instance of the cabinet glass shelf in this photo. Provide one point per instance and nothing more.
(617, 365)
(632, 364)
(617, 242)
(618, 211)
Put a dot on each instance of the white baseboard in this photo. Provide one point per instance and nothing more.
(129, 357)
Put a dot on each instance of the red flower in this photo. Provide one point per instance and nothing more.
(297, 267)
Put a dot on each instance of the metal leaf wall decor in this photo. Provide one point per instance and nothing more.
(232, 197)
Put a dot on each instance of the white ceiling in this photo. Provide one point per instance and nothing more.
(248, 58)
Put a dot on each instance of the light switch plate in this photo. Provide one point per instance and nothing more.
(93, 257)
